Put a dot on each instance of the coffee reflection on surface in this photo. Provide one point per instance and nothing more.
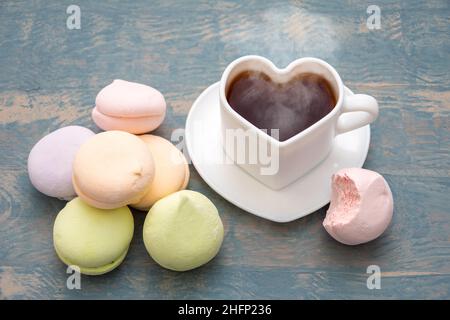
(290, 107)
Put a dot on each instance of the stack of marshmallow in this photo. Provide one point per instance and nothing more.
(106, 172)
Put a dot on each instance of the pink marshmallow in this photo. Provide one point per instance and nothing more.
(129, 106)
(361, 206)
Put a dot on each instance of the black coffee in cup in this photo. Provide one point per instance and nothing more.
(290, 107)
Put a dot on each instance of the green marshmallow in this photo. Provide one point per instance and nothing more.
(95, 240)
(183, 231)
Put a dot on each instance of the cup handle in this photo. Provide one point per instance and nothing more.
(365, 108)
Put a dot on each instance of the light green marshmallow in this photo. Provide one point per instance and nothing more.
(95, 240)
(183, 231)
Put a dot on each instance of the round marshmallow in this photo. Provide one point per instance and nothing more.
(183, 231)
(94, 240)
(50, 161)
(112, 169)
(129, 106)
(171, 171)
(361, 206)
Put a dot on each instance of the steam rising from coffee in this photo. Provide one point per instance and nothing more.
(284, 33)
(291, 107)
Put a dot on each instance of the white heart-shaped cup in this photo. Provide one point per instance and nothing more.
(278, 163)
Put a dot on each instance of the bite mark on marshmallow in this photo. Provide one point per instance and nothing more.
(345, 199)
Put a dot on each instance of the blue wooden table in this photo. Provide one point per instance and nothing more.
(50, 75)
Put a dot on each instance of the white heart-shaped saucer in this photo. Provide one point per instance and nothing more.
(302, 197)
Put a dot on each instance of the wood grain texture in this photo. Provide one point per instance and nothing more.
(50, 76)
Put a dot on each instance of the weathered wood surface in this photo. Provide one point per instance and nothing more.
(49, 78)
